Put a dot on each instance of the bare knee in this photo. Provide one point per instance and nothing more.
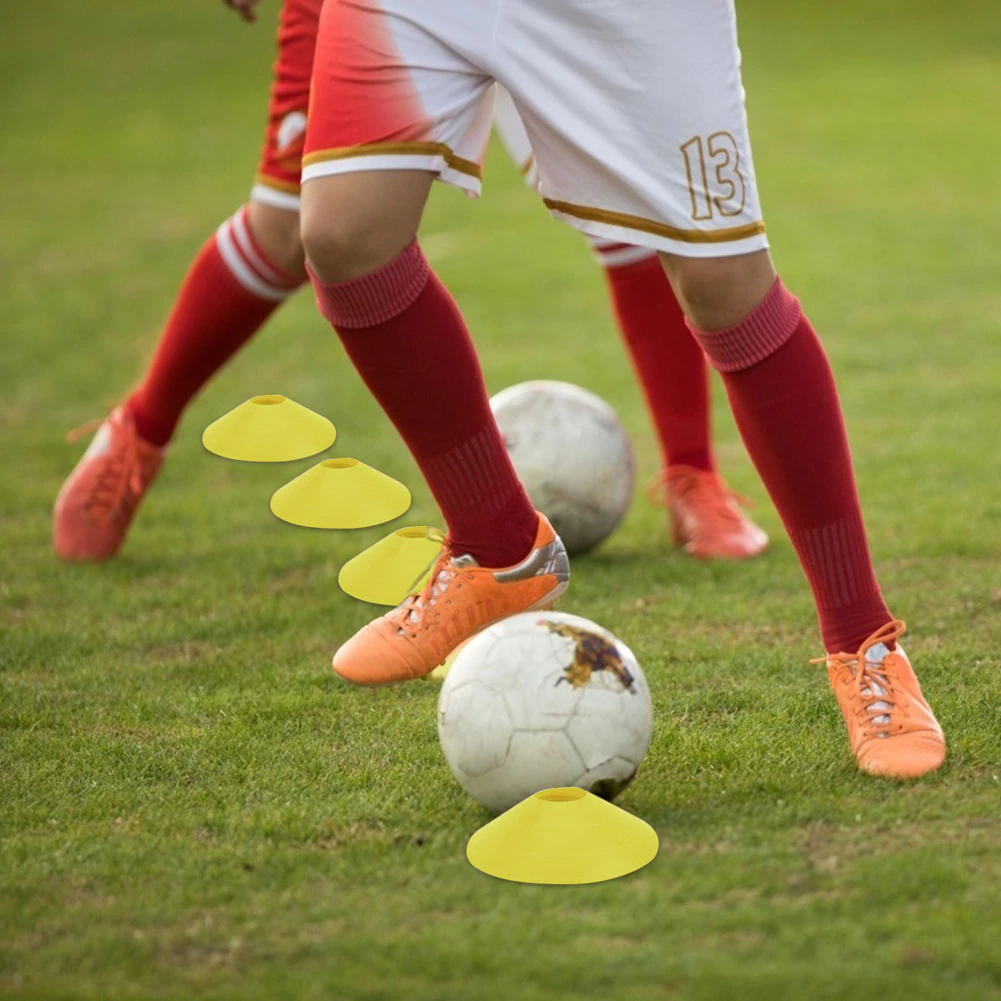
(341, 247)
(718, 292)
(276, 231)
(353, 224)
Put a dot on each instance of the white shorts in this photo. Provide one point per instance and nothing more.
(634, 109)
(511, 130)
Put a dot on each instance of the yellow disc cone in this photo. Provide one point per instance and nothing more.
(269, 429)
(340, 493)
(563, 836)
(394, 567)
(440, 673)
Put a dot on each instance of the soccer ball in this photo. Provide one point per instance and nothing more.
(573, 456)
(539, 700)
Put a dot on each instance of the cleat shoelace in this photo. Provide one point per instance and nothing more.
(872, 686)
(433, 535)
(704, 490)
(119, 480)
(416, 612)
(77, 433)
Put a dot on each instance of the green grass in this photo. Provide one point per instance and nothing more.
(192, 806)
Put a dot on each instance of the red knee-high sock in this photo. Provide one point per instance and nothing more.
(228, 293)
(409, 343)
(668, 361)
(786, 406)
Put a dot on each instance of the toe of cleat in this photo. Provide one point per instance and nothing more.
(904, 756)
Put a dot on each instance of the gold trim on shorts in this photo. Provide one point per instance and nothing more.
(273, 182)
(527, 165)
(656, 228)
(396, 149)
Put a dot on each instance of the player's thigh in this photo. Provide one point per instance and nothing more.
(277, 180)
(354, 223)
(635, 113)
(393, 107)
(388, 93)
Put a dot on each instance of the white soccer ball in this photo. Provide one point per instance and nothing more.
(539, 700)
(573, 456)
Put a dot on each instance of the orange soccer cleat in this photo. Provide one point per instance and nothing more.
(460, 599)
(99, 499)
(705, 516)
(892, 730)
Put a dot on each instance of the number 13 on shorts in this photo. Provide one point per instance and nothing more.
(718, 157)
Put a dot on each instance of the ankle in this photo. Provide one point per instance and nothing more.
(700, 458)
(505, 540)
(153, 429)
(844, 630)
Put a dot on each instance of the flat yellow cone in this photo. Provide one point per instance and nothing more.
(394, 567)
(340, 493)
(440, 673)
(563, 836)
(269, 429)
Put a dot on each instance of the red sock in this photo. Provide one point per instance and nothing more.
(668, 361)
(786, 406)
(409, 343)
(228, 293)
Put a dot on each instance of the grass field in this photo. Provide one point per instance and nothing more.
(192, 806)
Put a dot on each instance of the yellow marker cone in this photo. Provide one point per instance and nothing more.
(269, 429)
(563, 836)
(394, 567)
(340, 493)
(440, 673)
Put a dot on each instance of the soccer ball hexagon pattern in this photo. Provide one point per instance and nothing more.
(540, 700)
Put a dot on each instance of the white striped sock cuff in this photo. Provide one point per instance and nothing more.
(248, 263)
(264, 194)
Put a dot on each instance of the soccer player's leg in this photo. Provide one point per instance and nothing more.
(243, 272)
(785, 403)
(705, 516)
(659, 156)
(378, 136)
